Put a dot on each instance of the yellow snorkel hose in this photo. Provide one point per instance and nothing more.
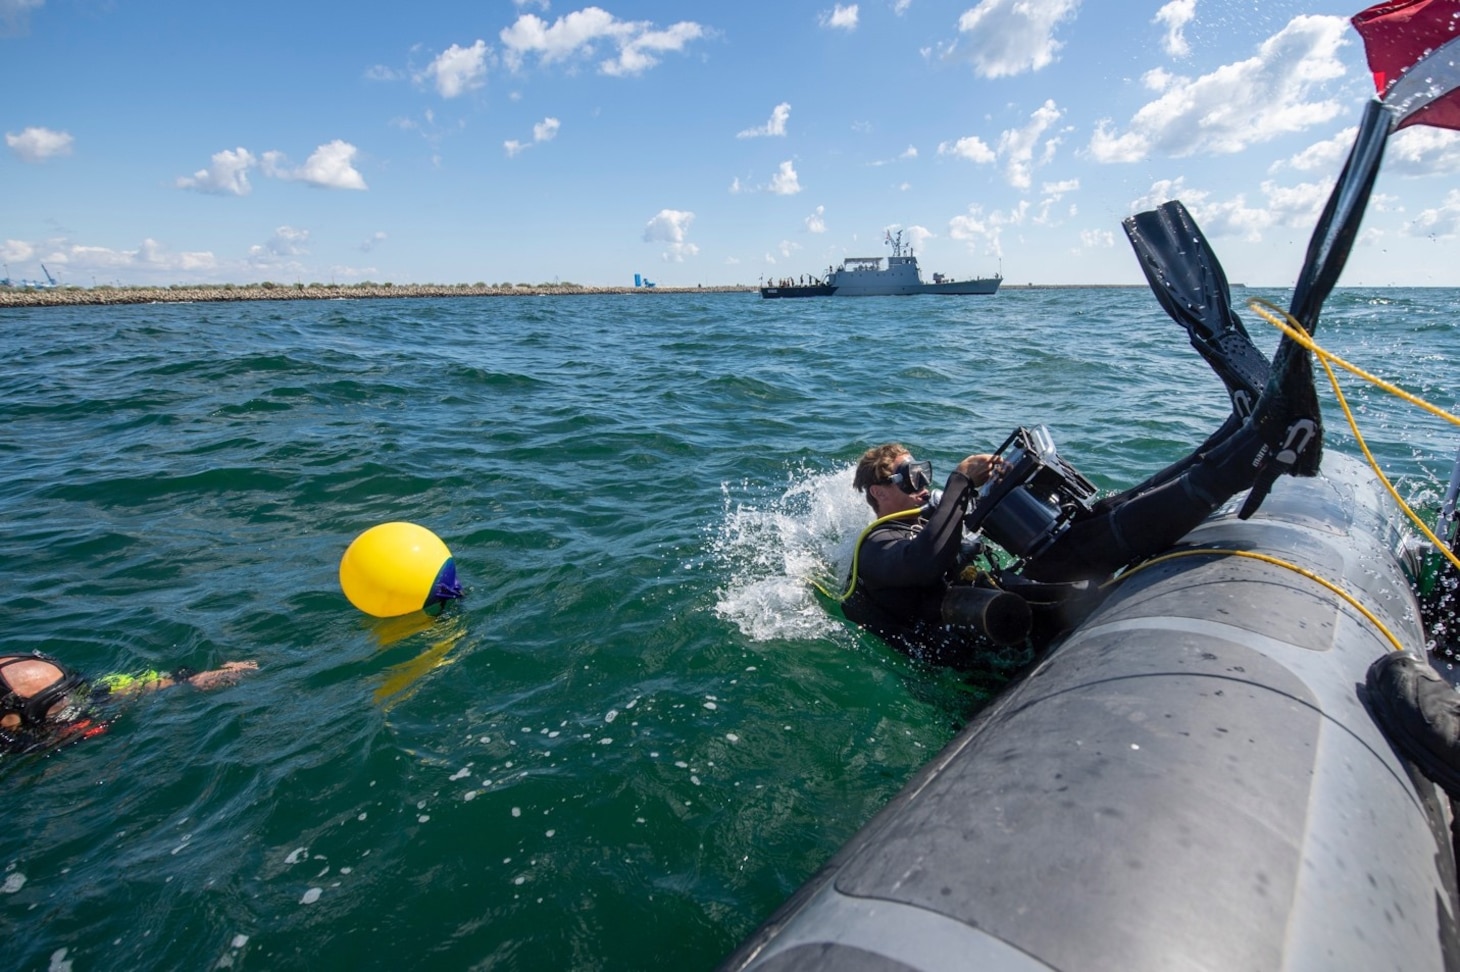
(857, 553)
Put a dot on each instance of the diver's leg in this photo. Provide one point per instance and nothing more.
(1145, 520)
(1133, 525)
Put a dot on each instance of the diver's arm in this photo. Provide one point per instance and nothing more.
(219, 677)
(153, 681)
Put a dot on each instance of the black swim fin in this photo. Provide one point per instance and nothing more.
(1189, 282)
(1328, 251)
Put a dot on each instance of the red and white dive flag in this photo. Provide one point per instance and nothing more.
(1414, 51)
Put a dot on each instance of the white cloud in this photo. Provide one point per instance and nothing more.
(227, 176)
(1007, 37)
(785, 181)
(38, 144)
(458, 70)
(1097, 239)
(735, 187)
(1050, 195)
(16, 251)
(916, 235)
(671, 226)
(15, 16)
(911, 152)
(839, 17)
(970, 147)
(580, 33)
(330, 167)
(637, 56)
(544, 131)
(775, 126)
(816, 222)
(1158, 79)
(1296, 206)
(1165, 190)
(1017, 145)
(372, 241)
(286, 242)
(1239, 104)
(1176, 15)
(984, 232)
(1422, 150)
(787, 248)
(1326, 156)
(381, 72)
(899, 7)
(1443, 220)
(150, 258)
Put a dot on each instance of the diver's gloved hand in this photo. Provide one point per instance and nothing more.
(1420, 714)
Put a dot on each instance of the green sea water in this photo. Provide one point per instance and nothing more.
(639, 732)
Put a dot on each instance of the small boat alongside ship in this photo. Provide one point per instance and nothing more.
(868, 277)
(791, 288)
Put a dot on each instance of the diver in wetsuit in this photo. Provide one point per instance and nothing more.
(907, 566)
(905, 577)
(44, 704)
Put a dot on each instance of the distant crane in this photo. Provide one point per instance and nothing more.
(50, 283)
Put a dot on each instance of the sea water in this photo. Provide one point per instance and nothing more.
(639, 731)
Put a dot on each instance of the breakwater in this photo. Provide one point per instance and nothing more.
(74, 296)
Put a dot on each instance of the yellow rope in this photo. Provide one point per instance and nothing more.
(1285, 322)
(857, 553)
(1277, 562)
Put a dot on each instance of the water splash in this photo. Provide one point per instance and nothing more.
(772, 547)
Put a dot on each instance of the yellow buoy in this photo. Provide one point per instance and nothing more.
(397, 568)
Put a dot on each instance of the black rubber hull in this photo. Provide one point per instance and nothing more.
(1190, 781)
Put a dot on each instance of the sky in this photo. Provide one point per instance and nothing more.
(529, 141)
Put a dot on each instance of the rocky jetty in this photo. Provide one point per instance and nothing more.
(72, 296)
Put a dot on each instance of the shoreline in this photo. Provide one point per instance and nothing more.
(83, 296)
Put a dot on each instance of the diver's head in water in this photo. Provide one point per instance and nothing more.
(892, 479)
(24, 685)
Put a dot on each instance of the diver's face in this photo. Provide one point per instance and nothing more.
(893, 497)
(28, 679)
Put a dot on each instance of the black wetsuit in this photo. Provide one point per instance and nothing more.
(905, 567)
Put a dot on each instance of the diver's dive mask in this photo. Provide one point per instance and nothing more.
(912, 477)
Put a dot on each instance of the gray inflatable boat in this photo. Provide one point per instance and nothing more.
(1190, 780)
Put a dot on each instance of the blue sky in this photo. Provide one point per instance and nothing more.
(451, 142)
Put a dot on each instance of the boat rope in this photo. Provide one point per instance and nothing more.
(1276, 562)
(1286, 323)
(857, 554)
